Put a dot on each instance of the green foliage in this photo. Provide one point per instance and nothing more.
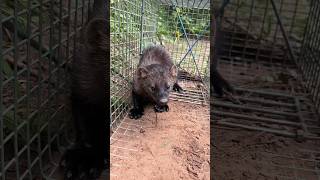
(194, 22)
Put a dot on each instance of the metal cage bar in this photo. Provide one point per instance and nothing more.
(262, 39)
(37, 41)
(309, 58)
(154, 22)
(127, 33)
(149, 25)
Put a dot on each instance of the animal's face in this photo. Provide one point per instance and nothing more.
(157, 82)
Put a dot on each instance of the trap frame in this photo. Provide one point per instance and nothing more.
(269, 53)
(182, 27)
(37, 40)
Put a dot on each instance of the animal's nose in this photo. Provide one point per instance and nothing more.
(164, 100)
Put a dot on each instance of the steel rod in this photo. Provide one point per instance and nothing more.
(186, 36)
(141, 26)
(255, 118)
(243, 107)
(273, 131)
(283, 32)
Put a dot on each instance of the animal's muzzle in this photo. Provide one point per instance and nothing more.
(163, 101)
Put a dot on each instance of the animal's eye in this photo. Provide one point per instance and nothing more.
(168, 87)
(153, 89)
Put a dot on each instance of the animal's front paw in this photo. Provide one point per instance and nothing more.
(158, 108)
(81, 163)
(135, 113)
(177, 88)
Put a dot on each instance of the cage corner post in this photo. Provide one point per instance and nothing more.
(141, 27)
(2, 163)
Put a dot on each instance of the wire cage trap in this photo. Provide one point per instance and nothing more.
(182, 27)
(37, 41)
(268, 55)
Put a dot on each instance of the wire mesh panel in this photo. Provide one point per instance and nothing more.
(262, 43)
(149, 23)
(133, 27)
(253, 37)
(270, 99)
(184, 32)
(252, 30)
(310, 54)
(202, 4)
(136, 25)
(188, 38)
(126, 36)
(37, 39)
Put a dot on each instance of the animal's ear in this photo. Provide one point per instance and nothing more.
(97, 33)
(143, 72)
(174, 71)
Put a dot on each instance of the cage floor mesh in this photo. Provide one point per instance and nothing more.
(129, 138)
(268, 97)
(193, 92)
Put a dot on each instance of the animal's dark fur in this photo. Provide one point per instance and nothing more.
(218, 83)
(155, 77)
(89, 103)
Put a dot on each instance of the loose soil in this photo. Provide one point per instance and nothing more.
(251, 155)
(173, 145)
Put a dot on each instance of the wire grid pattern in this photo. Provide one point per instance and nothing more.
(185, 36)
(37, 39)
(252, 29)
(194, 96)
(123, 142)
(309, 60)
(131, 31)
(276, 113)
(147, 22)
(196, 4)
(188, 43)
(125, 25)
(269, 92)
(135, 25)
(121, 148)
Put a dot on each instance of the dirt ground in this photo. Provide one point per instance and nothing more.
(176, 146)
(245, 155)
